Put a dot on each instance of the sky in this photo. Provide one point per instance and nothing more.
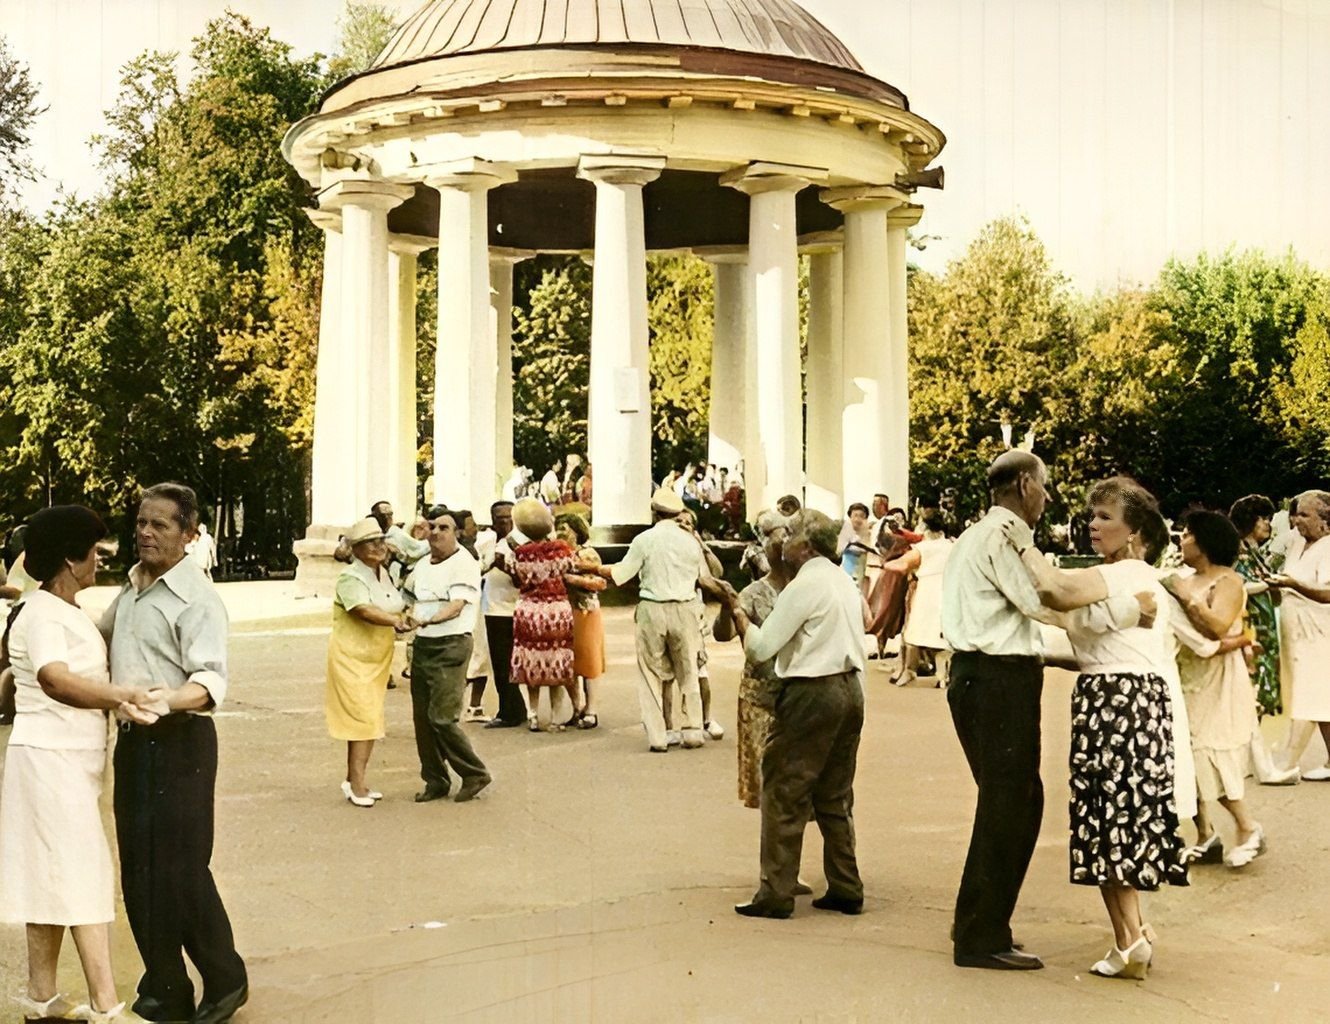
(1125, 131)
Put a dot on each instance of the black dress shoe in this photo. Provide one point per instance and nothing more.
(754, 909)
(471, 787)
(153, 1009)
(1009, 960)
(432, 791)
(499, 723)
(223, 1009)
(844, 904)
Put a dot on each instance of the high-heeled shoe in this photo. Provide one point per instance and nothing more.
(1132, 962)
(1209, 852)
(1247, 852)
(57, 1006)
(360, 801)
(85, 1012)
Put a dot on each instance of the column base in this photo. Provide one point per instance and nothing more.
(316, 569)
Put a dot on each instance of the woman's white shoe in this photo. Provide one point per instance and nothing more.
(56, 1006)
(111, 1016)
(360, 801)
(1241, 856)
(1132, 962)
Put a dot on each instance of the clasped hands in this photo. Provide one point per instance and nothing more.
(143, 705)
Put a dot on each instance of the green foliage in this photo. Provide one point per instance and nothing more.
(18, 109)
(363, 31)
(681, 303)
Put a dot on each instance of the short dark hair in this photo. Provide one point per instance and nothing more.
(1137, 503)
(60, 533)
(1215, 535)
(935, 521)
(381, 501)
(500, 504)
(186, 502)
(1247, 511)
(857, 505)
(575, 522)
(443, 510)
(1154, 531)
(462, 515)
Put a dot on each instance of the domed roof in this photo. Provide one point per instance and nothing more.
(775, 28)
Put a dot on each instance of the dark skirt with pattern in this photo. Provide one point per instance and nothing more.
(1124, 822)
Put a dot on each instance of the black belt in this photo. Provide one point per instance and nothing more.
(1015, 660)
(167, 722)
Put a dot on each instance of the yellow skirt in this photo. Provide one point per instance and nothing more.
(360, 657)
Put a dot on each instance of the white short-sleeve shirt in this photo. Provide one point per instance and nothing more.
(1100, 646)
(49, 630)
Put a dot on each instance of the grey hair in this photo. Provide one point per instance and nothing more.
(1323, 497)
(817, 528)
(769, 521)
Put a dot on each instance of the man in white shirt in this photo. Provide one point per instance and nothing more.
(989, 607)
(670, 563)
(498, 602)
(815, 633)
(551, 489)
(203, 550)
(446, 592)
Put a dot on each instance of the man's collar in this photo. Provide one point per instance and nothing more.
(138, 576)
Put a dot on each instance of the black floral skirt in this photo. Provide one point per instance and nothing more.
(1124, 822)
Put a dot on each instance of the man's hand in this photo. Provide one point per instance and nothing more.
(129, 712)
(1017, 534)
(1149, 609)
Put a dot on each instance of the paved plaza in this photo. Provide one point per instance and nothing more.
(593, 881)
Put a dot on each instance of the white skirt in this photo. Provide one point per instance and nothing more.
(54, 858)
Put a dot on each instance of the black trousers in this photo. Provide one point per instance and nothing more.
(438, 682)
(499, 629)
(165, 775)
(808, 768)
(995, 708)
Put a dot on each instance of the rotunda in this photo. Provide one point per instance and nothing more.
(742, 130)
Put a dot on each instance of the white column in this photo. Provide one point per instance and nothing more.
(466, 361)
(727, 433)
(899, 221)
(331, 502)
(776, 468)
(403, 253)
(363, 330)
(619, 409)
(502, 262)
(868, 462)
(825, 382)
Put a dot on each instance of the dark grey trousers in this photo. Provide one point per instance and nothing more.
(438, 679)
(808, 771)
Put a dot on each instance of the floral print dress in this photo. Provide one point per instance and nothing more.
(1263, 619)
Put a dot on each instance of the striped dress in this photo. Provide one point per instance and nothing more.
(543, 618)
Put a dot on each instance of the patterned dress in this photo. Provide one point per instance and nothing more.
(757, 697)
(1263, 618)
(543, 618)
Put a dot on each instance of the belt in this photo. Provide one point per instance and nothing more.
(1004, 659)
(172, 721)
(657, 600)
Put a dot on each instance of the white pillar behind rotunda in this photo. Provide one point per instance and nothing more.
(899, 221)
(776, 467)
(403, 254)
(825, 381)
(502, 262)
(619, 406)
(466, 362)
(363, 336)
(869, 462)
(331, 500)
(728, 434)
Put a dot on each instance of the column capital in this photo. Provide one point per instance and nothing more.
(906, 216)
(865, 197)
(761, 176)
(411, 245)
(468, 174)
(325, 220)
(620, 168)
(369, 193)
(736, 254)
(502, 254)
(817, 242)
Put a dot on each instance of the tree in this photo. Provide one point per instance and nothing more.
(18, 110)
(1303, 396)
(681, 305)
(363, 31)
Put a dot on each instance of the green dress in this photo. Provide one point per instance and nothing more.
(1263, 616)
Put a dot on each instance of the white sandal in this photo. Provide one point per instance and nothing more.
(56, 1006)
(86, 1012)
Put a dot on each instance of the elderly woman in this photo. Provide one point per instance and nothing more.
(757, 684)
(1304, 627)
(544, 568)
(855, 541)
(1221, 707)
(54, 858)
(923, 618)
(1124, 824)
(588, 627)
(367, 616)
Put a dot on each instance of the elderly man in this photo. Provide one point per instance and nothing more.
(815, 633)
(670, 563)
(499, 601)
(167, 629)
(446, 590)
(989, 607)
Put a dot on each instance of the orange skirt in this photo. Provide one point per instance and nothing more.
(588, 644)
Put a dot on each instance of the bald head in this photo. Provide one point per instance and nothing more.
(1016, 481)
